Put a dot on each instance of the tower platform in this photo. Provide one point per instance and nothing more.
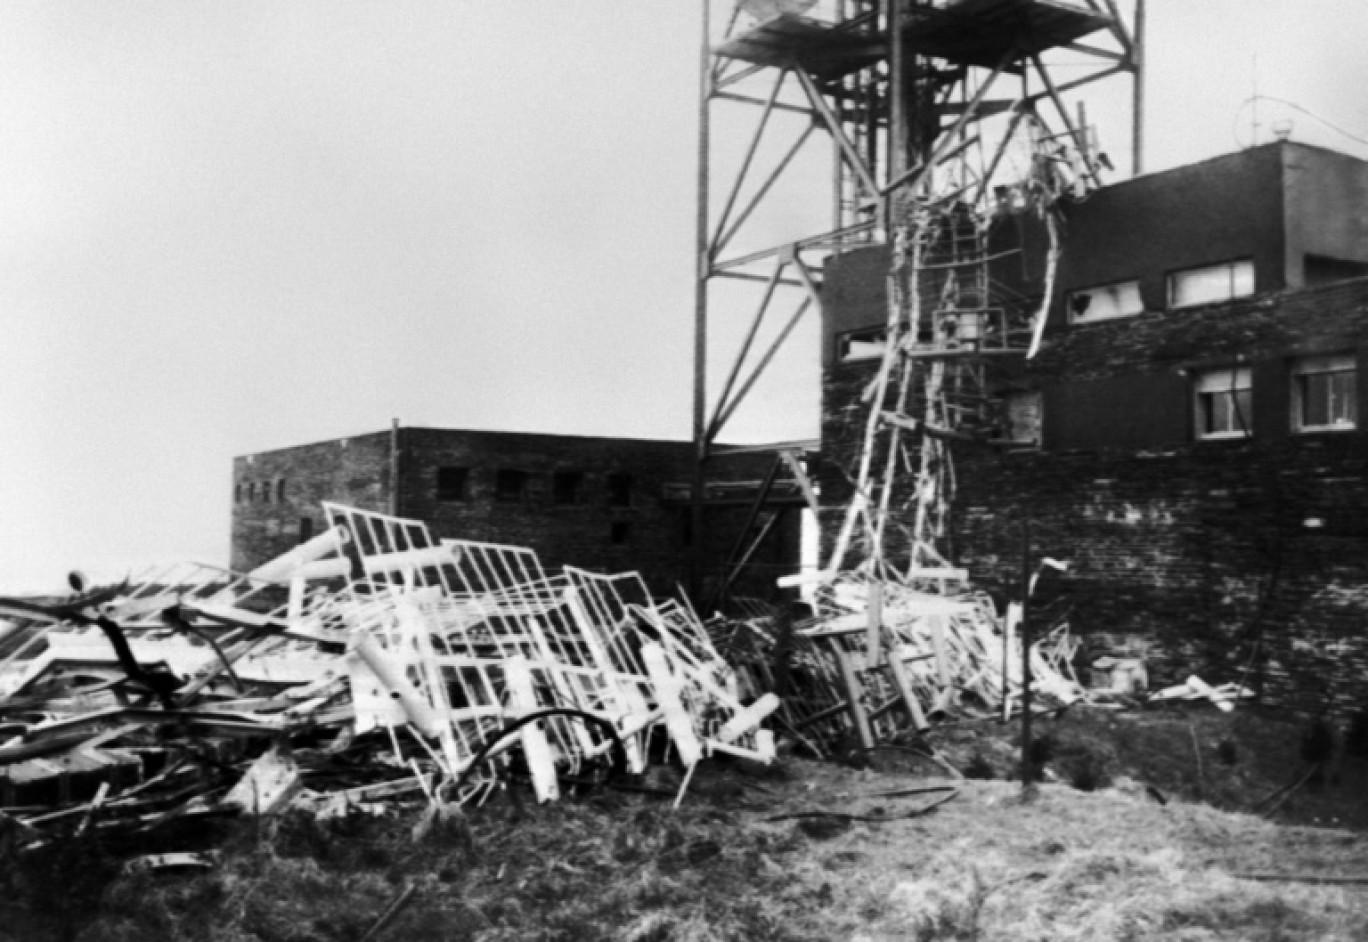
(964, 32)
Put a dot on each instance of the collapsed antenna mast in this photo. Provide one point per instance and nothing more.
(934, 116)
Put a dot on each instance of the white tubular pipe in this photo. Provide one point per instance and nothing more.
(747, 718)
(407, 559)
(338, 568)
(536, 749)
(1202, 688)
(283, 566)
(667, 688)
(419, 713)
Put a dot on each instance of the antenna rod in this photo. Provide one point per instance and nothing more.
(1138, 101)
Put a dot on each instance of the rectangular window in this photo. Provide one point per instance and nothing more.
(1224, 403)
(280, 491)
(619, 490)
(305, 529)
(1021, 417)
(510, 486)
(868, 344)
(452, 483)
(619, 531)
(566, 487)
(1104, 302)
(1325, 393)
(1212, 283)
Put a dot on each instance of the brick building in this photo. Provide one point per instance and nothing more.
(605, 504)
(1189, 435)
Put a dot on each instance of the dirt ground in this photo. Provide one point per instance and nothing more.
(804, 850)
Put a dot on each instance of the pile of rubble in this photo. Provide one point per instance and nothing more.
(370, 665)
(884, 656)
(376, 666)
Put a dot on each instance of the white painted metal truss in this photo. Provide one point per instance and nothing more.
(470, 658)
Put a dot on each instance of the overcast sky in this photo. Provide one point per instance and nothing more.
(227, 227)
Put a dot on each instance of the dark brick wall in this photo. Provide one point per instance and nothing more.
(1206, 556)
(1216, 211)
(1275, 204)
(854, 294)
(353, 471)
(1199, 556)
(646, 533)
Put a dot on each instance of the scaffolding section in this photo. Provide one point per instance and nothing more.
(933, 114)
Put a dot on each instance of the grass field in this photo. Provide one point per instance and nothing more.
(845, 860)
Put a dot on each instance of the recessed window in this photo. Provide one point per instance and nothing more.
(305, 529)
(1224, 402)
(237, 493)
(452, 483)
(1212, 283)
(619, 490)
(1104, 302)
(265, 492)
(868, 344)
(251, 493)
(566, 487)
(280, 491)
(1321, 269)
(1021, 417)
(510, 486)
(1325, 393)
(619, 532)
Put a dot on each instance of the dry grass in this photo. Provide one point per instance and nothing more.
(1066, 865)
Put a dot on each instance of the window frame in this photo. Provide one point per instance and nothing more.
(874, 337)
(1234, 268)
(1037, 400)
(1128, 283)
(1336, 364)
(1228, 381)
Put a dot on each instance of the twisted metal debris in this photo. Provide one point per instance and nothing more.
(372, 664)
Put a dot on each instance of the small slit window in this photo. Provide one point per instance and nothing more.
(1325, 393)
(1224, 404)
(452, 483)
(1104, 302)
(1212, 283)
(619, 490)
(510, 485)
(566, 487)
